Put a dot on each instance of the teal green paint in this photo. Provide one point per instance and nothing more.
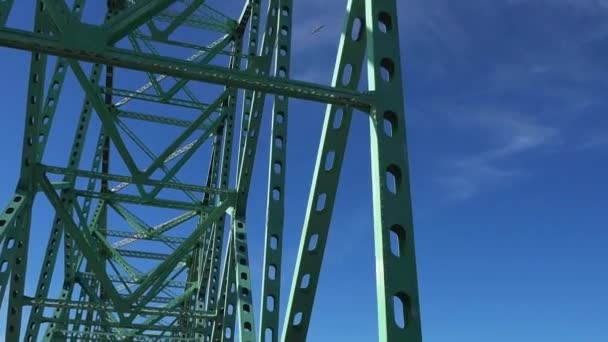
(103, 294)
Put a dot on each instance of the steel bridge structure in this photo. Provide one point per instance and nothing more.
(141, 250)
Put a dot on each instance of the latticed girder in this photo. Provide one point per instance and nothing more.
(203, 16)
(149, 239)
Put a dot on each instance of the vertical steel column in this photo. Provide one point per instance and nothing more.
(396, 279)
(50, 255)
(275, 208)
(325, 181)
(199, 266)
(17, 237)
(122, 302)
(72, 260)
(223, 327)
(5, 10)
(247, 153)
(217, 299)
(48, 114)
(251, 66)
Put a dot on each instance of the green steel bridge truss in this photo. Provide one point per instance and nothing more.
(195, 284)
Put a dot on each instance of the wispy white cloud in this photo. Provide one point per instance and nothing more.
(509, 136)
(535, 78)
(471, 177)
(544, 69)
(434, 23)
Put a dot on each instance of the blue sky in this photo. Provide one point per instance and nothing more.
(508, 149)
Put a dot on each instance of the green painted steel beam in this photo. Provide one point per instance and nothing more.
(202, 118)
(154, 98)
(153, 279)
(328, 167)
(396, 275)
(11, 212)
(219, 277)
(133, 17)
(129, 280)
(136, 222)
(109, 127)
(16, 240)
(144, 236)
(135, 44)
(163, 300)
(157, 230)
(103, 336)
(127, 179)
(209, 52)
(24, 40)
(107, 252)
(155, 118)
(84, 242)
(5, 10)
(120, 325)
(243, 296)
(211, 48)
(199, 266)
(223, 328)
(142, 255)
(155, 202)
(99, 307)
(57, 231)
(226, 25)
(275, 207)
(177, 20)
(185, 291)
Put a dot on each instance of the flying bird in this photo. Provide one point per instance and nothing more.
(318, 29)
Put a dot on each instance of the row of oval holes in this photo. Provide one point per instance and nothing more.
(387, 66)
(389, 125)
(393, 179)
(387, 71)
(393, 175)
(401, 305)
(284, 30)
(397, 241)
(400, 301)
(10, 210)
(267, 336)
(400, 311)
(393, 172)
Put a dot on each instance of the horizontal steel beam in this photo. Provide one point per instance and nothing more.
(52, 303)
(107, 336)
(130, 280)
(114, 197)
(144, 327)
(142, 255)
(124, 234)
(130, 180)
(24, 40)
(165, 120)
